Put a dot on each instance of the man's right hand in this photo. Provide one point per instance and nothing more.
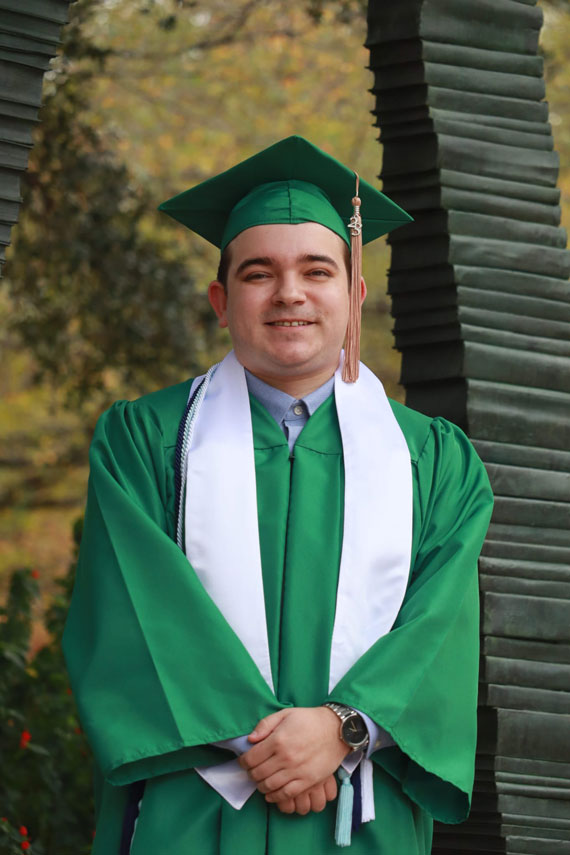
(313, 799)
(294, 750)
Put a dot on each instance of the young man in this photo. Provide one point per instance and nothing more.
(277, 585)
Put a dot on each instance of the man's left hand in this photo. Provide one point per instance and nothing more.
(294, 749)
(314, 799)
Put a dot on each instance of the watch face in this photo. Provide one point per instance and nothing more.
(354, 731)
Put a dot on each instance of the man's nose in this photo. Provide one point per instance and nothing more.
(289, 288)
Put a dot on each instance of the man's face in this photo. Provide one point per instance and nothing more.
(286, 304)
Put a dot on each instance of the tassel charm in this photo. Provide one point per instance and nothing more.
(352, 344)
(343, 830)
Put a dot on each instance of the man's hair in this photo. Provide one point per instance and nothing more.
(226, 260)
(224, 266)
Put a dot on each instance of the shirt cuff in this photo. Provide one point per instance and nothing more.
(238, 744)
(229, 779)
(378, 737)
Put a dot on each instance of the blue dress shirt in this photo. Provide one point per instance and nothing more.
(291, 414)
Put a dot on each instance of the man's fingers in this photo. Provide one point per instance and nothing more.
(267, 725)
(313, 799)
(265, 770)
(255, 756)
(330, 788)
(303, 804)
(287, 806)
(318, 798)
(290, 791)
(277, 782)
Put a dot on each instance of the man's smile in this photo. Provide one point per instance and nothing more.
(289, 323)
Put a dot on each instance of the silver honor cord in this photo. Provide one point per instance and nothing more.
(186, 445)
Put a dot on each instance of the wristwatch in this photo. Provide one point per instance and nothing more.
(353, 730)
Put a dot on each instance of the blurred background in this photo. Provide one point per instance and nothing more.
(104, 298)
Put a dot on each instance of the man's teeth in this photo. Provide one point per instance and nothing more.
(290, 323)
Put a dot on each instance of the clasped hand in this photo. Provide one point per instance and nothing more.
(294, 756)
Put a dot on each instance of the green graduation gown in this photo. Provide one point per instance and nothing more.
(158, 674)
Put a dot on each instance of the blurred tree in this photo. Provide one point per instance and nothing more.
(92, 296)
(555, 47)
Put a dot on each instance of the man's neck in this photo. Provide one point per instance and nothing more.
(297, 387)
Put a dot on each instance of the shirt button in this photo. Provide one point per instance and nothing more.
(298, 410)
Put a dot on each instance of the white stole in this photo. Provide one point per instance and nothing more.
(221, 527)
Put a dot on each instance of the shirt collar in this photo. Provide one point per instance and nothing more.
(277, 403)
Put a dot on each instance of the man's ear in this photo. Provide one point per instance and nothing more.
(218, 301)
(363, 290)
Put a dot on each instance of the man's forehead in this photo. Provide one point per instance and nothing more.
(287, 242)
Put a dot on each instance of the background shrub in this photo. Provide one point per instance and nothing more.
(46, 802)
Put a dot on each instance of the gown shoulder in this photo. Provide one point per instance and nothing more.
(157, 412)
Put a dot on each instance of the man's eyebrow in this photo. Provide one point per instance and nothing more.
(248, 262)
(326, 259)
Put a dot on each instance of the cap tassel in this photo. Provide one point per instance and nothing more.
(352, 344)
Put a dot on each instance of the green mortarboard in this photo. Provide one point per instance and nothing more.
(292, 181)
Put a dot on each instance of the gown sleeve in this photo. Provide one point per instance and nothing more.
(419, 681)
(156, 670)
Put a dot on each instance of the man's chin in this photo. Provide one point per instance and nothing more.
(294, 363)
(290, 366)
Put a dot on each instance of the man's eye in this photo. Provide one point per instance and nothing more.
(256, 274)
(319, 272)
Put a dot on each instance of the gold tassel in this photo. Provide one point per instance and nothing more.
(352, 344)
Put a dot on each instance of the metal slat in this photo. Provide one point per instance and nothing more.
(29, 37)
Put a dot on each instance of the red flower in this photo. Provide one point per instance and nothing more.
(23, 831)
(35, 574)
(25, 738)
(25, 845)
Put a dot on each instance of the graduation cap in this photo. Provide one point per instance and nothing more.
(293, 181)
